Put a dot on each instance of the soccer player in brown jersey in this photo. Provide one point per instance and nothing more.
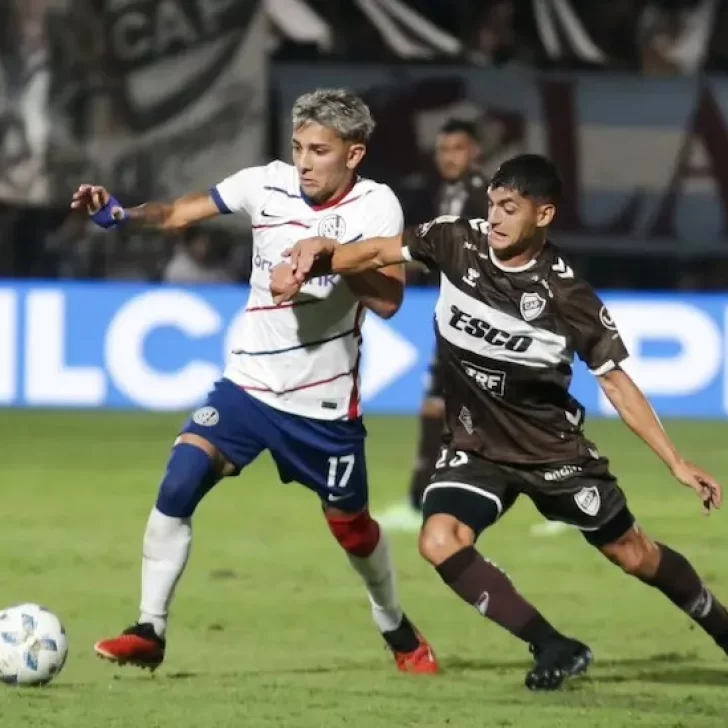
(511, 314)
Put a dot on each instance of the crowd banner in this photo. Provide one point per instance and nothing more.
(644, 160)
(152, 98)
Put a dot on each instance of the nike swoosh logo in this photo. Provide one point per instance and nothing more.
(267, 214)
(333, 498)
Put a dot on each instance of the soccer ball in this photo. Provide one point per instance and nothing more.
(33, 645)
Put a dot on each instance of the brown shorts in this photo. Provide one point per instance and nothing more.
(478, 492)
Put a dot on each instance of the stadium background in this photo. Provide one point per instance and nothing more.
(155, 98)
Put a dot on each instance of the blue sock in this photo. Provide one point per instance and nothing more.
(190, 475)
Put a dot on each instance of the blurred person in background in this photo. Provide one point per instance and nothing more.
(459, 192)
(674, 36)
(195, 261)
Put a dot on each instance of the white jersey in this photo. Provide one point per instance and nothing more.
(303, 356)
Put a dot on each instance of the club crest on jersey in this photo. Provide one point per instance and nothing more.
(588, 501)
(332, 226)
(206, 417)
(532, 306)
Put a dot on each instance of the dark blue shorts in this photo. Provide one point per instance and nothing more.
(326, 456)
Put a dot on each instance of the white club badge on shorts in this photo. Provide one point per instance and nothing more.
(588, 500)
(206, 417)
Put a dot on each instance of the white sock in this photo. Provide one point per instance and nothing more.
(377, 572)
(167, 542)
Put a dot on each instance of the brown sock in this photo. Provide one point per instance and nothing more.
(679, 582)
(484, 586)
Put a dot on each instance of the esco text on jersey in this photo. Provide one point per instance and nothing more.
(480, 329)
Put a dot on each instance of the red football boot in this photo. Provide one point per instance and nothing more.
(421, 661)
(418, 661)
(138, 645)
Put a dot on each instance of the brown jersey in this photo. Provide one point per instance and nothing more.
(507, 339)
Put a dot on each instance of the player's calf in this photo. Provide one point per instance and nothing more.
(480, 582)
(671, 573)
(193, 469)
(448, 545)
(367, 547)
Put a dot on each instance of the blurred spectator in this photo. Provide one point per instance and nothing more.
(496, 40)
(195, 261)
(674, 36)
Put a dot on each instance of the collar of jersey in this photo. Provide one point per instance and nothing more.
(333, 201)
(506, 269)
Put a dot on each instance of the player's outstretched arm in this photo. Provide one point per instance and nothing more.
(381, 290)
(637, 413)
(107, 212)
(320, 256)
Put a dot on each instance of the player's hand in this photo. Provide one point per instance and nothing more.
(283, 284)
(705, 485)
(90, 198)
(304, 254)
(99, 204)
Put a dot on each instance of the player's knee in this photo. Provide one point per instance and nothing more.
(223, 467)
(635, 553)
(442, 536)
(357, 534)
(190, 474)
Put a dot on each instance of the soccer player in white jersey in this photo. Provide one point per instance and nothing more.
(292, 384)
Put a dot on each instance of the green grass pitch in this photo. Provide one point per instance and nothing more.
(271, 627)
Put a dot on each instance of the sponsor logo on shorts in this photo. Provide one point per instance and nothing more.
(206, 417)
(562, 473)
(588, 501)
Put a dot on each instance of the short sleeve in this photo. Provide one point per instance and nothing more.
(244, 190)
(429, 242)
(387, 219)
(594, 334)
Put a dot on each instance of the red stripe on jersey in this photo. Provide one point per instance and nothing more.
(296, 223)
(335, 200)
(346, 202)
(354, 404)
(287, 304)
(302, 386)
